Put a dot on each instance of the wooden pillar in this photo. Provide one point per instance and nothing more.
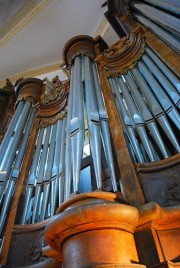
(93, 230)
(113, 62)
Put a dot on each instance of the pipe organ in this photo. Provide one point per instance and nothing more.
(118, 205)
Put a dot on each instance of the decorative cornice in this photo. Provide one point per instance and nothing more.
(33, 73)
(81, 44)
(123, 56)
(29, 89)
(21, 18)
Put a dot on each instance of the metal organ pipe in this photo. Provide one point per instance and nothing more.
(62, 164)
(104, 127)
(167, 72)
(67, 186)
(11, 184)
(160, 95)
(39, 181)
(137, 118)
(48, 171)
(170, 89)
(93, 120)
(144, 90)
(155, 107)
(55, 168)
(129, 124)
(77, 123)
(148, 118)
(32, 175)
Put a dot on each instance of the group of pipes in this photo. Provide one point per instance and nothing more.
(162, 17)
(55, 170)
(147, 97)
(12, 152)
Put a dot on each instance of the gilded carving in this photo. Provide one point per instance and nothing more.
(124, 55)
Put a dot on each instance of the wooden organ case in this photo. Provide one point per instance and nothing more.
(118, 205)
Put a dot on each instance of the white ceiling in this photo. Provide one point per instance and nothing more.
(40, 42)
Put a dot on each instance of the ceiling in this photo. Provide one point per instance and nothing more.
(34, 32)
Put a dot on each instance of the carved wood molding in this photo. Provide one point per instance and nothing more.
(29, 89)
(82, 44)
(54, 105)
(124, 55)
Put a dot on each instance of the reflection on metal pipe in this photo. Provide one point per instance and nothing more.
(104, 127)
(67, 186)
(148, 118)
(138, 120)
(160, 95)
(16, 170)
(127, 120)
(8, 159)
(155, 107)
(38, 188)
(172, 92)
(168, 73)
(93, 120)
(48, 171)
(10, 130)
(32, 175)
(77, 124)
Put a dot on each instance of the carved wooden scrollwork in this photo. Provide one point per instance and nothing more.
(54, 105)
(123, 56)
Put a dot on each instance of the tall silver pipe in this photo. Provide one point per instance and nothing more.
(21, 151)
(129, 124)
(148, 118)
(12, 148)
(62, 164)
(10, 130)
(39, 182)
(68, 172)
(104, 127)
(155, 107)
(172, 6)
(16, 170)
(32, 175)
(55, 169)
(138, 120)
(6, 203)
(93, 120)
(77, 124)
(167, 72)
(48, 171)
(170, 89)
(167, 21)
(160, 95)
(170, 39)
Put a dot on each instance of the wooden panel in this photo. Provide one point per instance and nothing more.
(146, 247)
(161, 181)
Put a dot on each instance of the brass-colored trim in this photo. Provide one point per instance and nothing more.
(20, 19)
